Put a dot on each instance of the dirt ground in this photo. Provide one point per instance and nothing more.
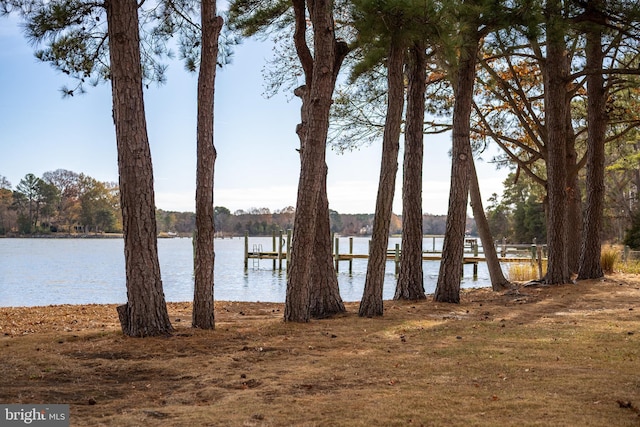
(559, 355)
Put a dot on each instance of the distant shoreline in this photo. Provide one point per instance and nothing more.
(86, 236)
(64, 236)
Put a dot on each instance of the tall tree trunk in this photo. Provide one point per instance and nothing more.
(498, 281)
(371, 304)
(312, 154)
(450, 274)
(574, 197)
(203, 315)
(410, 284)
(145, 313)
(574, 213)
(590, 267)
(320, 71)
(554, 99)
(325, 297)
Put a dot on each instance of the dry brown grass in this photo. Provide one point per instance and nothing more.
(524, 271)
(562, 355)
(609, 257)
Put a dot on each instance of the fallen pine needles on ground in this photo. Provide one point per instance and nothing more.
(549, 355)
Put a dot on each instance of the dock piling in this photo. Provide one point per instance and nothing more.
(397, 258)
(246, 250)
(280, 244)
(336, 253)
(351, 255)
(475, 264)
(273, 245)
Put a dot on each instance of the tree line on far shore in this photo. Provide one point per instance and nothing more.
(264, 222)
(64, 201)
(59, 201)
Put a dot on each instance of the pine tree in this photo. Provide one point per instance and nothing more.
(81, 43)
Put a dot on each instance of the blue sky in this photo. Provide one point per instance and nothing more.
(257, 164)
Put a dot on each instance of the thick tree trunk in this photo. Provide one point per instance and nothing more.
(450, 274)
(498, 281)
(145, 313)
(312, 153)
(554, 99)
(203, 315)
(325, 300)
(410, 284)
(590, 267)
(371, 304)
(320, 72)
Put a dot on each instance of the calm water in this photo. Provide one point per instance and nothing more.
(82, 271)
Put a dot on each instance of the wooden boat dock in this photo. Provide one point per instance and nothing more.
(278, 254)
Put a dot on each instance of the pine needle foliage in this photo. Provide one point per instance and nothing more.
(72, 36)
(379, 23)
(253, 17)
(274, 20)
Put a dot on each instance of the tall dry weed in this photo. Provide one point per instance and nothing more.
(609, 257)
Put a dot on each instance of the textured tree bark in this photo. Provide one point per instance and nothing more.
(145, 313)
(371, 304)
(297, 302)
(450, 274)
(410, 285)
(555, 80)
(590, 252)
(574, 212)
(203, 299)
(325, 300)
(574, 197)
(498, 281)
(320, 71)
